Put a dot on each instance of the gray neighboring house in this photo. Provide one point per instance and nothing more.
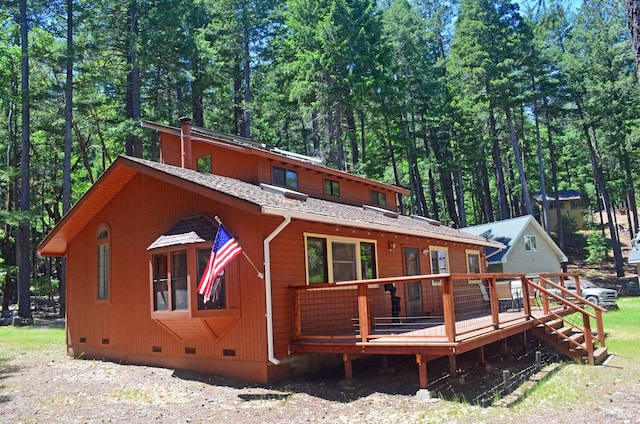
(529, 249)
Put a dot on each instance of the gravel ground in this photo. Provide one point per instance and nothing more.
(49, 387)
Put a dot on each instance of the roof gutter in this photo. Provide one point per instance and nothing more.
(267, 287)
(270, 210)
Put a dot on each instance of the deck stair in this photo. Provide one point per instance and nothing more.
(569, 328)
(569, 340)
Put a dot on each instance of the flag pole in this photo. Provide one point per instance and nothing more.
(260, 274)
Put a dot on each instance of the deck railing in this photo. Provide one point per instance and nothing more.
(445, 308)
(451, 306)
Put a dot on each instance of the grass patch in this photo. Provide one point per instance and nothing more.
(21, 340)
(623, 332)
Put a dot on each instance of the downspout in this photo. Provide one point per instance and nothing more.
(267, 286)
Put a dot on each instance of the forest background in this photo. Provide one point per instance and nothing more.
(472, 104)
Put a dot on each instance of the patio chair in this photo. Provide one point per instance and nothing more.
(516, 294)
(486, 305)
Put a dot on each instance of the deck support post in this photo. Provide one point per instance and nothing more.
(348, 367)
(384, 359)
(422, 370)
(453, 366)
(504, 348)
(481, 359)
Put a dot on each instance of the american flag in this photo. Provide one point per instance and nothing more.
(224, 249)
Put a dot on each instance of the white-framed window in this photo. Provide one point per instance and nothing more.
(103, 240)
(330, 259)
(439, 262)
(170, 281)
(473, 264)
(530, 243)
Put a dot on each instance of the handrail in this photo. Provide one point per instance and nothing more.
(451, 333)
(562, 300)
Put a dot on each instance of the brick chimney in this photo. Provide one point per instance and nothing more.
(185, 142)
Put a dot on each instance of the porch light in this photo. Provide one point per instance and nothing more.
(392, 246)
(425, 251)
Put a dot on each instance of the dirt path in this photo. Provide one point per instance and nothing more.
(48, 387)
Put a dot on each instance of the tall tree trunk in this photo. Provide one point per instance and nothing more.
(362, 137)
(237, 98)
(23, 249)
(68, 140)
(543, 185)
(351, 134)
(246, 118)
(497, 165)
(442, 158)
(7, 246)
(632, 8)
(487, 204)
(394, 163)
(600, 180)
(434, 196)
(554, 175)
(462, 213)
(133, 102)
(526, 199)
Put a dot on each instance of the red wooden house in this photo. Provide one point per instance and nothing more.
(337, 269)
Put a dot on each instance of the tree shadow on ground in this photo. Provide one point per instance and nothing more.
(474, 383)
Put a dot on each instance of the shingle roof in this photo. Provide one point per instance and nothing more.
(312, 209)
(508, 232)
(194, 229)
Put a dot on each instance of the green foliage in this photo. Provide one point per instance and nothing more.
(397, 91)
(597, 248)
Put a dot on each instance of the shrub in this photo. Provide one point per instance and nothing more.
(597, 248)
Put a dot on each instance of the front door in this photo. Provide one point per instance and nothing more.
(414, 289)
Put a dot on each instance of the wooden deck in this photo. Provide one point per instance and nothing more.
(467, 322)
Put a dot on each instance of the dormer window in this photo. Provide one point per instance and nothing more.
(378, 198)
(285, 177)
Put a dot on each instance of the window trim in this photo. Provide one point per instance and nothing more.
(444, 249)
(170, 254)
(470, 252)
(103, 289)
(232, 289)
(329, 239)
(528, 247)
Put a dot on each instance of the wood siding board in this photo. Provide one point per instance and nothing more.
(130, 284)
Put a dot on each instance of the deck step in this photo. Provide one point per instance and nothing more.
(556, 323)
(577, 337)
(599, 355)
(563, 332)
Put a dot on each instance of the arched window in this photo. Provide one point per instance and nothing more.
(103, 241)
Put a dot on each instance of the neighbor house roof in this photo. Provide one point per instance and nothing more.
(257, 199)
(507, 232)
(562, 195)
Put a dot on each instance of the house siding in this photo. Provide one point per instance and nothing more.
(125, 319)
(258, 169)
(544, 259)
